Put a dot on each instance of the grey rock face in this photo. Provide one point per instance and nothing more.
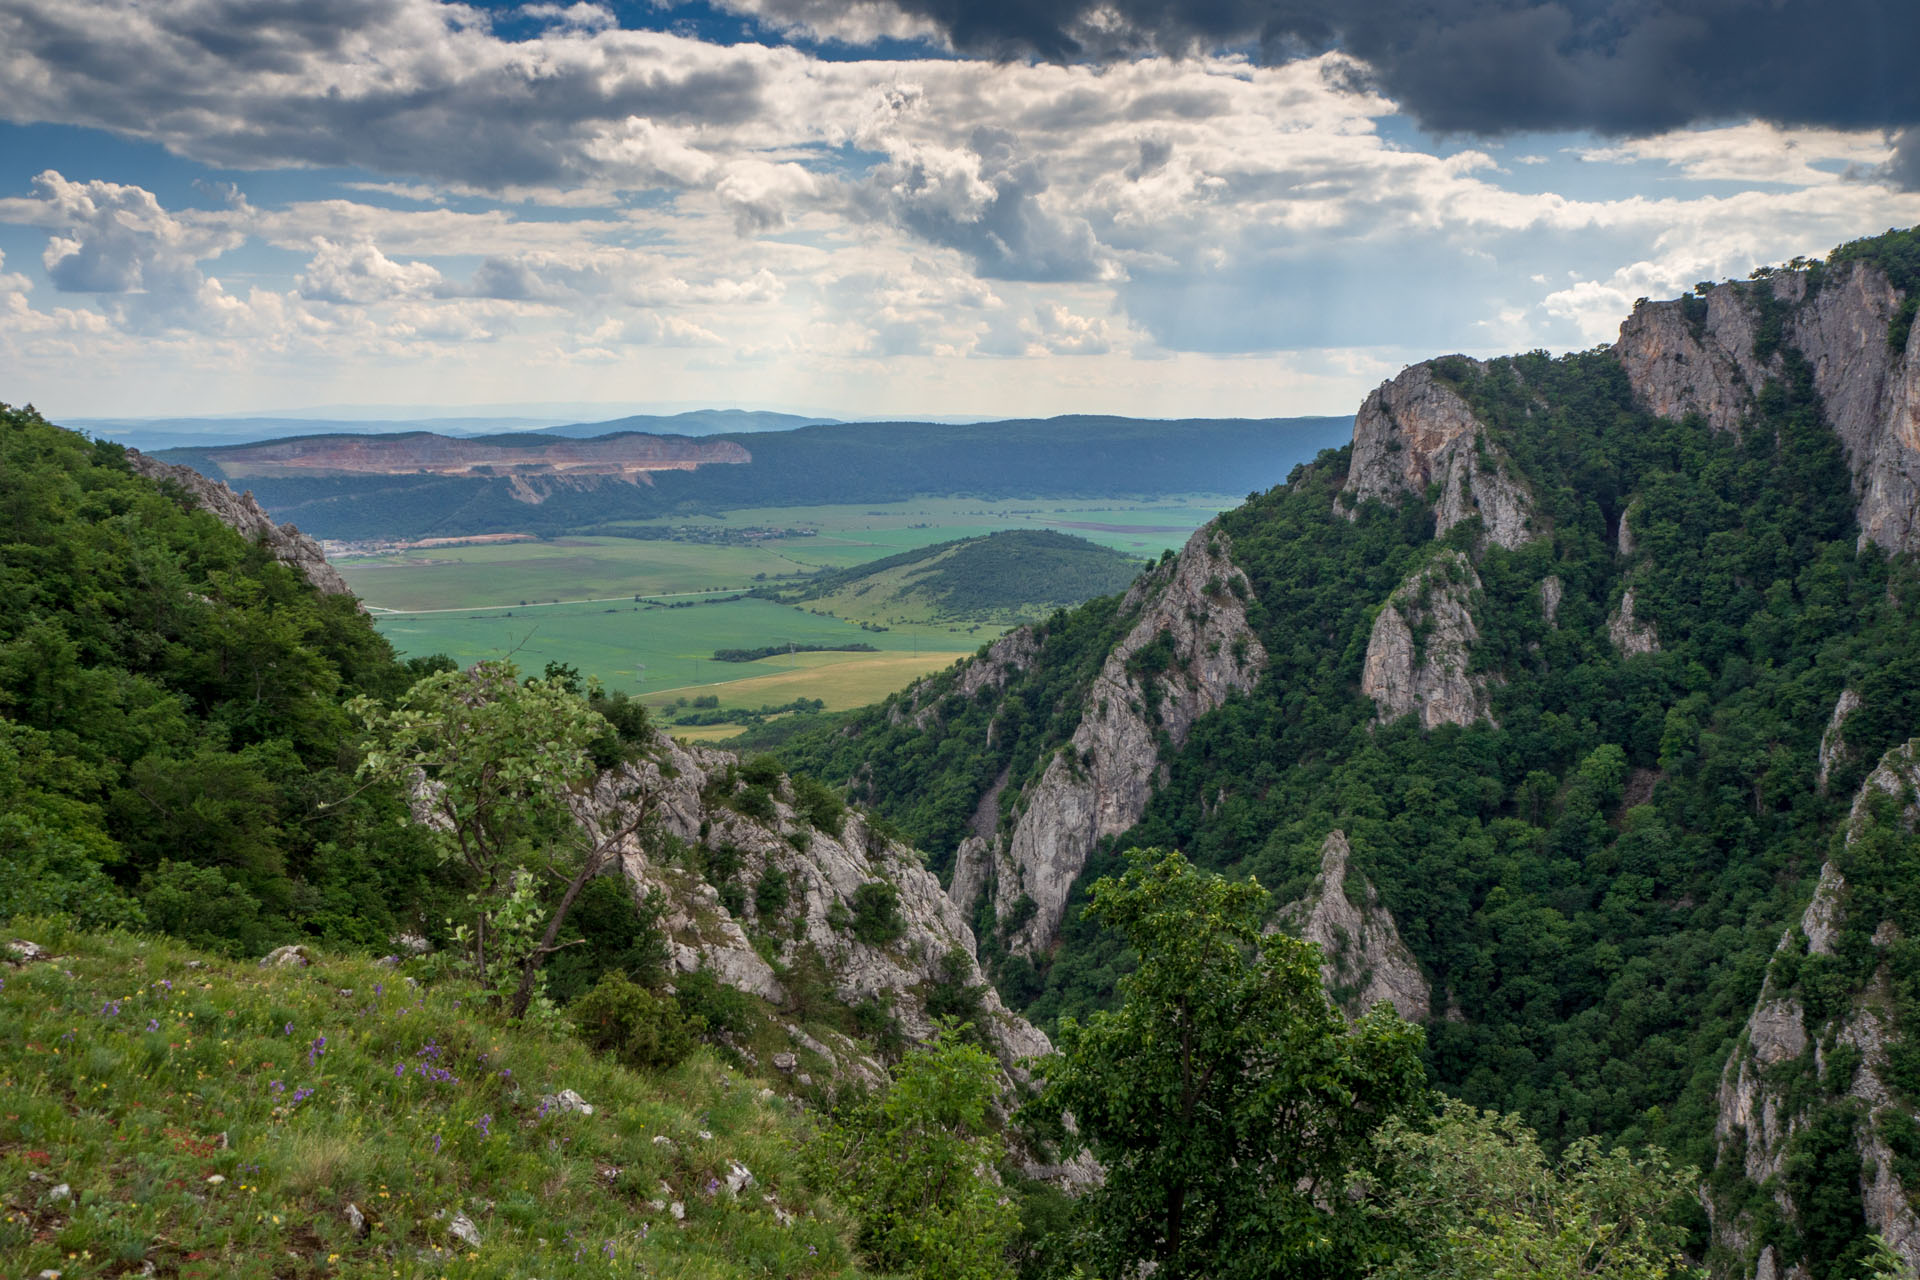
(1833, 743)
(1677, 369)
(1415, 431)
(240, 512)
(823, 872)
(1631, 635)
(1551, 593)
(1363, 958)
(1433, 677)
(1758, 1117)
(1870, 392)
(1100, 783)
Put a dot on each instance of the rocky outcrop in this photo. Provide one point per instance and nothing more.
(1631, 635)
(1871, 394)
(1420, 653)
(1415, 432)
(1694, 355)
(240, 512)
(1362, 957)
(1187, 651)
(688, 787)
(1764, 1096)
(1697, 355)
(1551, 593)
(1833, 743)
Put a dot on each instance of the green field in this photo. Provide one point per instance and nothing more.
(649, 649)
(481, 601)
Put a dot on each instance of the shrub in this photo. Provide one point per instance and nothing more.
(876, 913)
(771, 894)
(644, 1031)
(705, 1000)
(820, 804)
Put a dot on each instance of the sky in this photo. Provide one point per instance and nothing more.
(901, 207)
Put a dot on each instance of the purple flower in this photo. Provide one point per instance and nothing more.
(277, 1087)
(379, 989)
(111, 1009)
(287, 1030)
(314, 1050)
(153, 1024)
(399, 1070)
(300, 1095)
(485, 1125)
(436, 1144)
(506, 1073)
(165, 982)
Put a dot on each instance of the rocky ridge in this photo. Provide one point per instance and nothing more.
(689, 787)
(1416, 431)
(1190, 613)
(1761, 1110)
(1363, 958)
(1419, 654)
(1703, 355)
(239, 511)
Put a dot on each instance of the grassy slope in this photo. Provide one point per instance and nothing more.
(164, 1096)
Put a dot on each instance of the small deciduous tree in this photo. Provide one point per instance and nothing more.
(916, 1165)
(494, 766)
(1226, 1097)
(1479, 1200)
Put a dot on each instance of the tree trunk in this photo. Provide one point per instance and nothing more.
(530, 971)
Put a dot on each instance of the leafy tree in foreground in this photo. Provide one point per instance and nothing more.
(1226, 1097)
(494, 764)
(1483, 1202)
(914, 1164)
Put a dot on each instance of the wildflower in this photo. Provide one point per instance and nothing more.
(436, 1144)
(276, 1086)
(485, 1125)
(399, 1070)
(314, 1050)
(300, 1095)
(379, 988)
(287, 1030)
(153, 1024)
(111, 1009)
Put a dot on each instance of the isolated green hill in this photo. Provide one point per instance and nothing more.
(1000, 577)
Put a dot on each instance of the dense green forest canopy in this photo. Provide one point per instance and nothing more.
(175, 749)
(1080, 456)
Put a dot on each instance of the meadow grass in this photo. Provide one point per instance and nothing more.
(214, 1118)
(647, 649)
(841, 680)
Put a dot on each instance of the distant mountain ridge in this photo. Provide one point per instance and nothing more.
(154, 434)
(829, 463)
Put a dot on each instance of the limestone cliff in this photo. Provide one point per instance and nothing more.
(241, 512)
(1703, 355)
(1695, 355)
(1416, 432)
(1833, 742)
(758, 952)
(1363, 959)
(1188, 650)
(1779, 1071)
(1631, 634)
(1419, 656)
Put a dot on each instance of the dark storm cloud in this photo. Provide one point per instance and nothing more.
(396, 86)
(1499, 66)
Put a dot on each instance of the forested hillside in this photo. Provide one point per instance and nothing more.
(1560, 645)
